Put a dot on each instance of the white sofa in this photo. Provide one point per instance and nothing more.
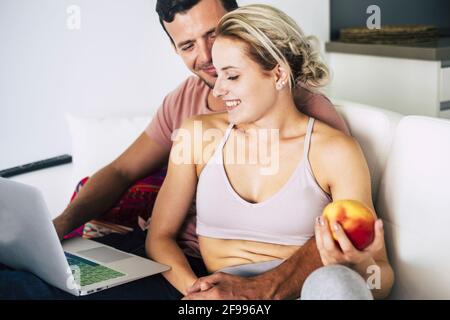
(408, 158)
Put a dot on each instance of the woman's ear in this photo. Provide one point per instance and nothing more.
(281, 77)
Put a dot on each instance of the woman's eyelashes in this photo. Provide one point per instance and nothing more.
(232, 78)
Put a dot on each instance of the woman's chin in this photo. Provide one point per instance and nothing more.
(237, 119)
(233, 119)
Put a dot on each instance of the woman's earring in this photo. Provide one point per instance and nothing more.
(280, 85)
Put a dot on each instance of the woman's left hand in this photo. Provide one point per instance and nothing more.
(347, 254)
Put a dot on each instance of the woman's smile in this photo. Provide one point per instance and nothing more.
(232, 104)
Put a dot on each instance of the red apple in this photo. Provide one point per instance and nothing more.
(357, 220)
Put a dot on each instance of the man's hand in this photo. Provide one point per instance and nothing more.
(223, 286)
(282, 282)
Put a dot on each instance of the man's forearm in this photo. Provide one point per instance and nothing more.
(286, 281)
(99, 194)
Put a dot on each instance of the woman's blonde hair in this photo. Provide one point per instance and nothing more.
(275, 39)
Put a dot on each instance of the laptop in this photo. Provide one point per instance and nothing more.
(28, 241)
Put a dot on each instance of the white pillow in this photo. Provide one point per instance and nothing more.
(96, 142)
(374, 128)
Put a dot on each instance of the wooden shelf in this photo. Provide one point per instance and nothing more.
(433, 51)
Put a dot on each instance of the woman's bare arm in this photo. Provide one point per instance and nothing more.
(171, 207)
(349, 178)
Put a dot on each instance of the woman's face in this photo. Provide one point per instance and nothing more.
(249, 93)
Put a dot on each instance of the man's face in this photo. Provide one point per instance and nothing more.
(193, 34)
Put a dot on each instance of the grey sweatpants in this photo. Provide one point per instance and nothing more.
(333, 282)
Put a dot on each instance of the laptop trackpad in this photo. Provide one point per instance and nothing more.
(104, 254)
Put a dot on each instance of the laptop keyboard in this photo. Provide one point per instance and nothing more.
(91, 272)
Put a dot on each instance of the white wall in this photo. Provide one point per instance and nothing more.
(313, 16)
(406, 86)
(119, 63)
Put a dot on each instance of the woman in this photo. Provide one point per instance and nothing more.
(256, 207)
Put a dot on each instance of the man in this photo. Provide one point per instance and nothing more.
(190, 25)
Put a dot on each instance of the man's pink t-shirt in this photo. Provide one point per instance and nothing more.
(190, 99)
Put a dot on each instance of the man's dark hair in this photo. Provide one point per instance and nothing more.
(167, 9)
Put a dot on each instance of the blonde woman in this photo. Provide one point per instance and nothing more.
(254, 214)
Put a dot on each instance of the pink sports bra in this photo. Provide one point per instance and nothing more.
(285, 218)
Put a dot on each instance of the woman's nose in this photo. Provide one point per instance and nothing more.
(218, 91)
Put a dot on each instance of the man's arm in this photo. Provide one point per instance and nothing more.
(106, 186)
(282, 282)
(286, 281)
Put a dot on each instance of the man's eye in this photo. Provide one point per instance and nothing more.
(233, 78)
(186, 48)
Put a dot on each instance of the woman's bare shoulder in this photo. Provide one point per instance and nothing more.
(332, 152)
(328, 141)
(201, 134)
(326, 134)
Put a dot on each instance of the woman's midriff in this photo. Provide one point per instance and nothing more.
(219, 253)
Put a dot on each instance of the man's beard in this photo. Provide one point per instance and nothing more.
(198, 71)
(210, 85)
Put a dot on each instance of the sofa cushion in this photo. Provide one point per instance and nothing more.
(374, 129)
(414, 202)
(96, 142)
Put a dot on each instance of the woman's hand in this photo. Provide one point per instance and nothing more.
(347, 254)
(223, 286)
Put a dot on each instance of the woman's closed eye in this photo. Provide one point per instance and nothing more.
(232, 78)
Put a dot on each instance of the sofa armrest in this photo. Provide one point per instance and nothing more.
(56, 184)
